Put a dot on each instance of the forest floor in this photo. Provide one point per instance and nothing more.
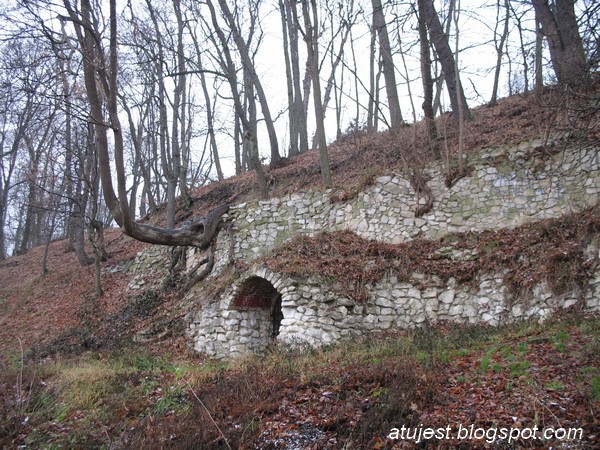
(72, 376)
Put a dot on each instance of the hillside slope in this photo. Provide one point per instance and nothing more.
(40, 309)
(87, 382)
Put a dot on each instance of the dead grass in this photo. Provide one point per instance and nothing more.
(346, 396)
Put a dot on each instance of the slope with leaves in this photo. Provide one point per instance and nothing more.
(101, 390)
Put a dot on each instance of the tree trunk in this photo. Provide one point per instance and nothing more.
(371, 106)
(559, 26)
(168, 140)
(442, 47)
(178, 139)
(198, 233)
(518, 19)
(389, 70)
(427, 83)
(461, 110)
(251, 140)
(313, 58)
(499, 50)
(249, 65)
(209, 112)
(299, 109)
(336, 59)
(250, 133)
(539, 62)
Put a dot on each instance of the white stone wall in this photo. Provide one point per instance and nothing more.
(507, 187)
(315, 315)
(395, 305)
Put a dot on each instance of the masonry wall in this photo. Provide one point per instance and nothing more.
(506, 187)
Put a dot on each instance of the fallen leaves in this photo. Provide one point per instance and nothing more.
(552, 250)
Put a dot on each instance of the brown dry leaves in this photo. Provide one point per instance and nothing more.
(37, 309)
(551, 250)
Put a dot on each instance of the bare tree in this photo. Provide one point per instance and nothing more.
(20, 115)
(208, 104)
(387, 61)
(539, 58)
(461, 108)
(427, 81)
(101, 72)
(249, 124)
(297, 116)
(169, 139)
(312, 45)
(439, 39)
(519, 16)
(559, 26)
(347, 19)
(499, 44)
(249, 66)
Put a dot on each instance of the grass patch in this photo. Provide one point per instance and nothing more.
(519, 368)
(595, 387)
(555, 385)
(560, 341)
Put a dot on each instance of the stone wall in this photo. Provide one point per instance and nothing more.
(314, 314)
(506, 187)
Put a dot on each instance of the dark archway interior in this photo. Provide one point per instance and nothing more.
(276, 316)
(257, 292)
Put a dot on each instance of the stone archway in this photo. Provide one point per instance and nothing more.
(259, 306)
(262, 302)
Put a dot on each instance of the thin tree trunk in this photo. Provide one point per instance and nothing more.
(293, 123)
(250, 133)
(499, 50)
(313, 57)
(440, 42)
(522, 46)
(179, 125)
(209, 112)
(251, 141)
(249, 65)
(559, 26)
(371, 107)
(389, 71)
(461, 112)
(427, 83)
(300, 111)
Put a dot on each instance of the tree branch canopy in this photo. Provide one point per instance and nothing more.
(198, 233)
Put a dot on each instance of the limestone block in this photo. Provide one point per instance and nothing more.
(431, 305)
(456, 310)
(338, 313)
(381, 301)
(414, 293)
(470, 312)
(370, 319)
(326, 320)
(447, 296)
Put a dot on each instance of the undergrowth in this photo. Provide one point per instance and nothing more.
(350, 394)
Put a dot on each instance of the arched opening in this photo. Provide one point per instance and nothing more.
(259, 295)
